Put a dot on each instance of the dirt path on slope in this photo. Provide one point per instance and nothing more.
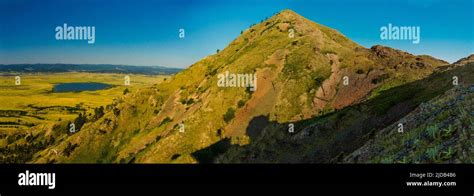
(263, 99)
(327, 91)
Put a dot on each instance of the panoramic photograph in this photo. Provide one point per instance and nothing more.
(160, 84)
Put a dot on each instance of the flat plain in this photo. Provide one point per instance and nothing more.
(33, 102)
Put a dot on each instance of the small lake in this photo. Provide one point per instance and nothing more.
(80, 86)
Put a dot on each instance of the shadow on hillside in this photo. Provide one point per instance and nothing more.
(329, 138)
(208, 155)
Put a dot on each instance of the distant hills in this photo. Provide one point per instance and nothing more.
(92, 68)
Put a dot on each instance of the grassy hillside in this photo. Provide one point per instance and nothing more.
(299, 64)
(32, 116)
(437, 131)
(440, 133)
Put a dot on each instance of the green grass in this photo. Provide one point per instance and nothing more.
(35, 94)
(38, 111)
(345, 130)
(129, 128)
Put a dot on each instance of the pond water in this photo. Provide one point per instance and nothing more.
(80, 86)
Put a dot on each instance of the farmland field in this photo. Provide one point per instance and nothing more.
(33, 102)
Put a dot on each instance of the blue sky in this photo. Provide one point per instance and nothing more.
(145, 32)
